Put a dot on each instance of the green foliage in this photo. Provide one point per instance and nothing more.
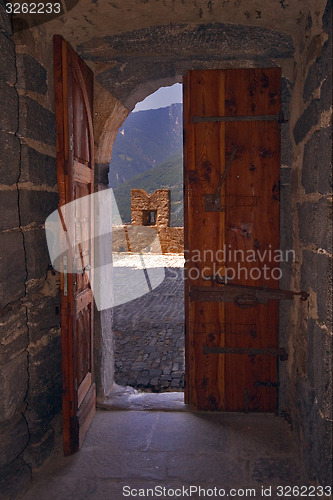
(167, 175)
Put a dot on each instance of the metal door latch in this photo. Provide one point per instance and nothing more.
(213, 201)
(242, 295)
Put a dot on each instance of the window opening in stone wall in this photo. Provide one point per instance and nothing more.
(146, 175)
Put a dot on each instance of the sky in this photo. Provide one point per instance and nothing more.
(162, 98)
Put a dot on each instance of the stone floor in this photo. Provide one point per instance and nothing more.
(126, 453)
(149, 331)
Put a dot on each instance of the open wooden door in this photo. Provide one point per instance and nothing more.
(231, 174)
(73, 87)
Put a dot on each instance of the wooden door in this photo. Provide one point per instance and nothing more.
(73, 86)
(231, 173)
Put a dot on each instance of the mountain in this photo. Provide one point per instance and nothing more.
(146, 139)
(167, 175)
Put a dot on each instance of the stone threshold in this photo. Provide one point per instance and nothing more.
(128, 398)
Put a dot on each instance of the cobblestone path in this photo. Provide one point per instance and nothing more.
(149, 335)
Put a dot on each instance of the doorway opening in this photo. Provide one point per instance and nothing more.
(146, 175)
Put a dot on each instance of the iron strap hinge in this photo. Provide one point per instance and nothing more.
(247, 351)
(250, 118)
(241, 295)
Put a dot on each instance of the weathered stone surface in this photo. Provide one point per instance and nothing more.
(14, 478)
(14, 384)
(315, 223)
(13, 331)
(317, 169)
(166, 51)
(8, 108)
(307, 120)
(45, 387)
(318, 72)
(44, 317)
(9, 158)
(5, 21)
(7, 59)
(36, 453)
(142, 204)
(36, 122)
(102, 173)
(37, 253)
(327, 17)
(316, 274)
(36, 206)
(14, 437)
(9, 209)
(12, 267)
(38, 168)
(31, 74)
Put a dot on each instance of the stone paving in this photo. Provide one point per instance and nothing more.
(149, 331)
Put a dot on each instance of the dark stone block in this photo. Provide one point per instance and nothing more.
(14, 478)
(31, 74)
(9, 158)
(36, 122)
(13, 331)
(324, 288)
(316, 274)
(102, 173)
(307, 120)
(7, 59)
(9, 209)
(315, 223)
(5, 21)
(43, 317)
(36, 206)
(12, 268)
(306, 217)
(327, 18)
(14, 437)
(322, 367)
(8, 108)
(37, 254)
(36, 454)
(45, 394)
(14, 385)
(310, 358)
(317, 170)
(38, 168)
(322, 450)
(318, 72)
(162, 51)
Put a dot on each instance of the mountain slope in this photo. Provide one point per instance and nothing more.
(146, 139)
(167, 175)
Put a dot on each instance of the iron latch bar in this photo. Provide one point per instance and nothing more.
(242, 295)
(267, 383)
(213, 201)
(250, 118)
(247, 351)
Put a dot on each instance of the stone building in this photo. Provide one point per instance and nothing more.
(152, 211)
(133, 48)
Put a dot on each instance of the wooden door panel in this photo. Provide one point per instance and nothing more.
(236, 159)
(73, 82)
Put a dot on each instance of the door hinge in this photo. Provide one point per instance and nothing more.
(267, 383)
(71, 143)
(243, 296)
(213, 201)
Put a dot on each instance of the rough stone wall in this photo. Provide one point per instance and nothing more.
(171, 239)
(30, 352)
(142, 202)
(134, 47)
(306, 391)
